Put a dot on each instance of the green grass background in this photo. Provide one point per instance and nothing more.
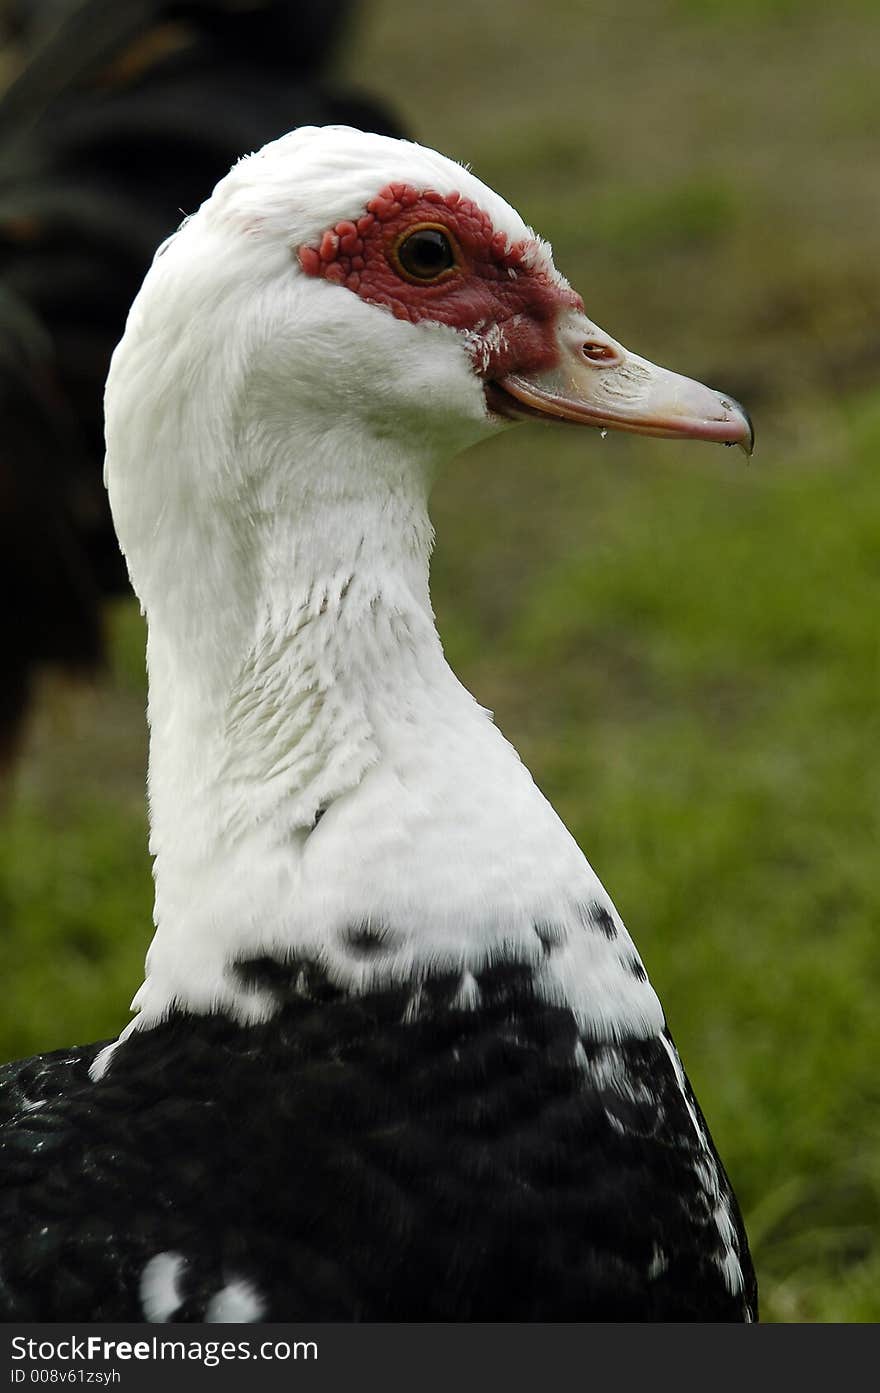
(684, 648)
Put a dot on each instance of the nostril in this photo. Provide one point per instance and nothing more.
(596, 352)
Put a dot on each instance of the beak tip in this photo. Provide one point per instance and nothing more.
(750, 447)
(747, 443)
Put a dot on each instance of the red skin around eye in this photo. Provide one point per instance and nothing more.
(496, 284)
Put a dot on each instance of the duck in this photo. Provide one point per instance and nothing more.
(395, 1056)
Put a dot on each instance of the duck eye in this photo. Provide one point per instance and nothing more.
(425, 254)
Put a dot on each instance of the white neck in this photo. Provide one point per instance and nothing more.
(318, 774)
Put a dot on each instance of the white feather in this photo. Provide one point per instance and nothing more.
(160, 1286)
(236, 1303)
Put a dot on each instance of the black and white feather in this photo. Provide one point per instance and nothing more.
(352, 1161)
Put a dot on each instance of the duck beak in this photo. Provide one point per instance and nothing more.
(597, 382)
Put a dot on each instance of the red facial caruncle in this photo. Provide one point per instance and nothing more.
(437, 257)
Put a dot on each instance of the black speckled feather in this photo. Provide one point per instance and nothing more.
(350, 1163)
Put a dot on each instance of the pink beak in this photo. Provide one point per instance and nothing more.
(596, 382)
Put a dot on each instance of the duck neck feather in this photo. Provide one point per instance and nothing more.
(316, 768)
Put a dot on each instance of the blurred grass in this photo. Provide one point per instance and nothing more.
(683, 648)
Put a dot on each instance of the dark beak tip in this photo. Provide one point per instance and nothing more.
(750, 449)
(747, 447)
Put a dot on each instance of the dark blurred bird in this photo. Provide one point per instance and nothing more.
(395, 1056)
(121, 118)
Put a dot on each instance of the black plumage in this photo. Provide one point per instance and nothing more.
(366, 1159)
